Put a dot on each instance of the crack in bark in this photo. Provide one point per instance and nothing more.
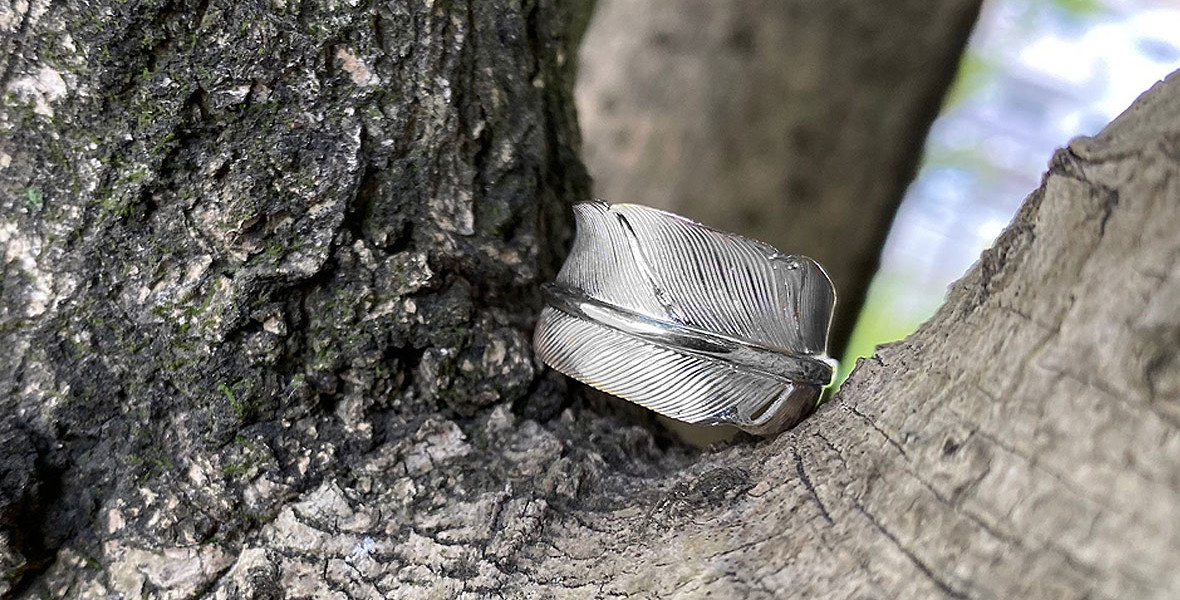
(918, 563)
(823, 510)
(873, 424)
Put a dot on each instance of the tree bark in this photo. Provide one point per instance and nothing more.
(355, 413)
(796, 123)
(245, 243)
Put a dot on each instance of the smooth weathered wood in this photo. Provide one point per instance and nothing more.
(796, 123)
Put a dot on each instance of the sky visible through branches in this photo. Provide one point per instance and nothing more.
(1036, 74)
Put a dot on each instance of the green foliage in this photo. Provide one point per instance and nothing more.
(884, 318)
(974, 72)
(1076, 8)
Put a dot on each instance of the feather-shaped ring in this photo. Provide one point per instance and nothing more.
(696, 324)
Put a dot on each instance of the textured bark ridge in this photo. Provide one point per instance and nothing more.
(795, 123)
(245, 244)
(266, 298)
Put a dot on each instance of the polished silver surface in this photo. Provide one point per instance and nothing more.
(696, 324)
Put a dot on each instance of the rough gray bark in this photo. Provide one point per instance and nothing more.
(796, 123)
(245, 243)
(1023, 443)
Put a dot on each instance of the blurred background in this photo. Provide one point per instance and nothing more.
(1035, 74)
(754, 117)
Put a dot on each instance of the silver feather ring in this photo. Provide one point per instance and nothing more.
(696, 324)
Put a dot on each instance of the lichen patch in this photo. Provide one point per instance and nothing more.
(19, 252)
(41, 88)
(360, 72)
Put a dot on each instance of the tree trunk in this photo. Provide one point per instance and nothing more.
(268, 338)
(246, 243)
(796, 123)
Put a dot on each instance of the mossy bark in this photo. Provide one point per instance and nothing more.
(247, 242)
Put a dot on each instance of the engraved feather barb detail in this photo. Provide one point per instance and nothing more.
(694, 323)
